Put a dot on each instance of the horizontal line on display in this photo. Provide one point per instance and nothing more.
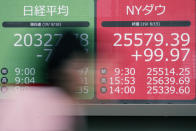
(146, 23)
(45, 24)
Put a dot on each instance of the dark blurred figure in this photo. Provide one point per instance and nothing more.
(65, 62)
(50, 108)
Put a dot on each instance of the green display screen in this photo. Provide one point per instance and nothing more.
(29, 31)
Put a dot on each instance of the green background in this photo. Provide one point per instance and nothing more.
(25, 57)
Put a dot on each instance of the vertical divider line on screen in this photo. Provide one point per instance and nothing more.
(195, 50)
(95, 49)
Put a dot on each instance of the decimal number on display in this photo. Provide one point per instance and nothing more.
(145, 39)
(46, 40)
(159, 54)
(168, 80)
(168, 71)
(165, 90)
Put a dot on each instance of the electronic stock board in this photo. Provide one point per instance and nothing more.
(141, 52)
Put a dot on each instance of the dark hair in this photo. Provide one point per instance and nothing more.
(62, 53)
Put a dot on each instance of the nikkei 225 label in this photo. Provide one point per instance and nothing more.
(146, 49)
(29, 33)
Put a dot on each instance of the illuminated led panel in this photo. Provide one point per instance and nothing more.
(146, 49)
(29, 29)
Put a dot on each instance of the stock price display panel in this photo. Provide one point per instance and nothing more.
(146, 50)
(29, 31)
(143, 51)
